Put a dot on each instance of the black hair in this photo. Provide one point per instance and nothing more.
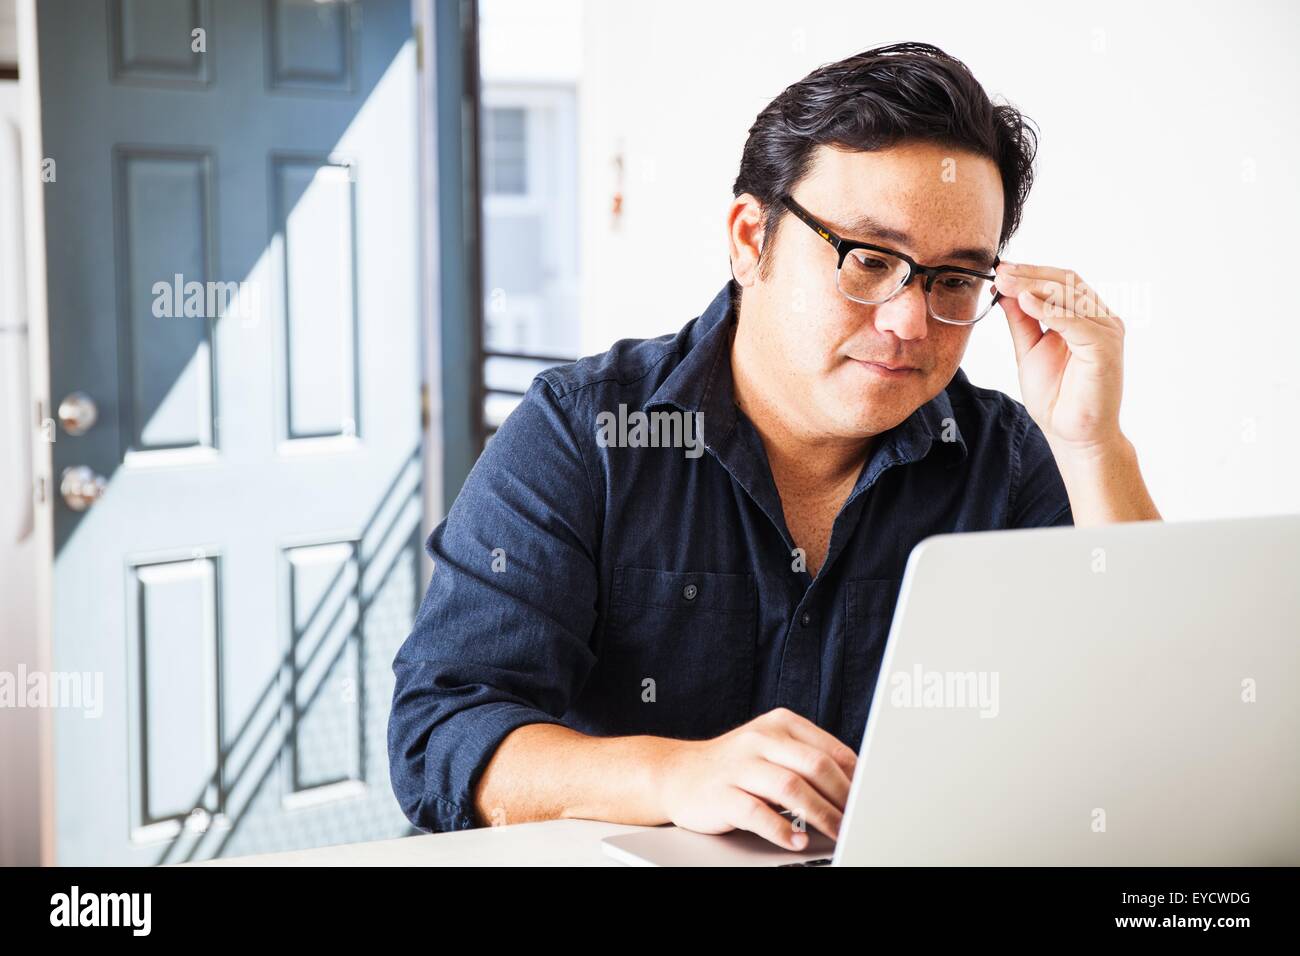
(874, 100)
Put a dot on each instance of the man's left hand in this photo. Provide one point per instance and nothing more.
(1071, 380)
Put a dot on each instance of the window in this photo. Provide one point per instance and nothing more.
(504, 144)
(530, 238)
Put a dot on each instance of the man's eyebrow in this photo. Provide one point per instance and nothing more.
(868, 226)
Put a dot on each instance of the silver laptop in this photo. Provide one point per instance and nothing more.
(1123, 695)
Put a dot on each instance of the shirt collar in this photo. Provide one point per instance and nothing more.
(702, 382)
(706, 341)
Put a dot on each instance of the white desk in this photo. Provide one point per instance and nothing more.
(553, 843)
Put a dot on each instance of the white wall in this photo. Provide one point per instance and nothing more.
(19, 791)
(530, 41)
(1169, 132)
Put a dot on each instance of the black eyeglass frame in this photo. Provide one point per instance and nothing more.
(844, 246)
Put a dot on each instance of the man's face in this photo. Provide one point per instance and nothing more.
(810, 343)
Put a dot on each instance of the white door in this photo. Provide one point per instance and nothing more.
(231, 241)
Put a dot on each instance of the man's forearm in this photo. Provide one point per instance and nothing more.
(1105, 484)
(548, 772)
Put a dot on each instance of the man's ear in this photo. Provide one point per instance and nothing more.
(745, 238)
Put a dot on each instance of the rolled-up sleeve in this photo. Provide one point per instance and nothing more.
(1038, 495)
(503, 635)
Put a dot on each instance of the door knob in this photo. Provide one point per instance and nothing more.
(81, 487)
(78, 413)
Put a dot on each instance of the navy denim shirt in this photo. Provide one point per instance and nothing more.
(620, 590)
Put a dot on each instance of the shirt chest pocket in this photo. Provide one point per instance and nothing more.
(868, 613)
(677, 659)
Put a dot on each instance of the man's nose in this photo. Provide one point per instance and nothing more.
(905, 314)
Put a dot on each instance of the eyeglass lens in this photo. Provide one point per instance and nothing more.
(871, 277)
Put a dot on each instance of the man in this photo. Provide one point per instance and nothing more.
(622, 631)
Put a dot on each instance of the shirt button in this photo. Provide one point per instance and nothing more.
(806, 619)
(690, 591)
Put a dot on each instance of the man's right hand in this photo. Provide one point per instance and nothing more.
(733, 782)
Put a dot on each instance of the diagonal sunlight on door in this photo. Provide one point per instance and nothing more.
(255, 557)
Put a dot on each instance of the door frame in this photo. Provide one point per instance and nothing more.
(38, 351)
(451, 59)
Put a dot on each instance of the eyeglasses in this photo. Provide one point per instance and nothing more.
(875, 274)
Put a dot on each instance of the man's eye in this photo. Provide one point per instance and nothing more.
(871, 264)
(956, 283)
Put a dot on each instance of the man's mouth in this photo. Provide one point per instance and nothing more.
(885, 369)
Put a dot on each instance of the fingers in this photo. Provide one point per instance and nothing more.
(816, 766)
(805, 731)
(747, 812)
(1025, 330)
(795, 765)
(1084, 336)
(789, 790)
(1062, 289)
